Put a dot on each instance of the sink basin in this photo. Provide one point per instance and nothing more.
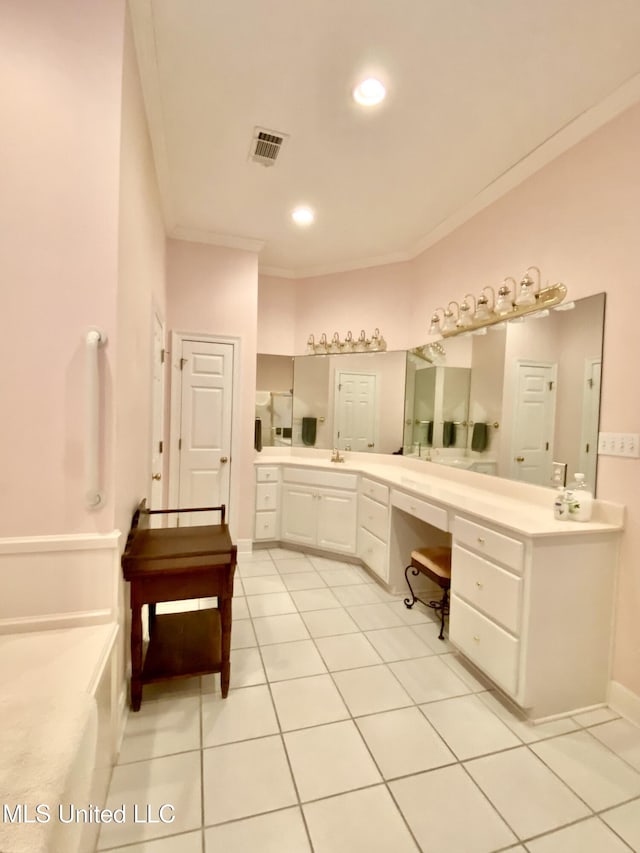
(454, 461)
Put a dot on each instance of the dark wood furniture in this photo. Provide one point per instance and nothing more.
(171, 564)
(434, 563)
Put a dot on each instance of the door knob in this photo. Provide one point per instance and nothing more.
(156, 476)
(370, 444)
(224, 459)
(519, 458)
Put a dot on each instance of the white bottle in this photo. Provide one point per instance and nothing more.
(579, 499)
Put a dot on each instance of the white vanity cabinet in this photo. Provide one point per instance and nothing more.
(267, 525)
(319, 509)
(534, 613)
(373, 526)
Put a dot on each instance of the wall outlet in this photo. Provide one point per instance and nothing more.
(619, 444)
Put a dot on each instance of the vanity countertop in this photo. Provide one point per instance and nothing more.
(520, 507)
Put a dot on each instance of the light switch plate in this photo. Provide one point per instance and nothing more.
(619, 444)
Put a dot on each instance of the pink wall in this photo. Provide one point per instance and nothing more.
(214, 291)
(59, 173)
(577, 219)
(277, 313)
(378, 297)
(141, 291)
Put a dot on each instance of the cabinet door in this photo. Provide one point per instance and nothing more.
(299, 507)
(337, 515)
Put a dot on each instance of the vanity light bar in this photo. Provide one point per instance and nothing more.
(547, 297)
(376, 343)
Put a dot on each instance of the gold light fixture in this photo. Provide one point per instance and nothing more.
(513, 302)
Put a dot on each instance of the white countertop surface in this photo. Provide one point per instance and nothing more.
(519, 507)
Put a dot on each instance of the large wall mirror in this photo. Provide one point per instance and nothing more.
(521, 401)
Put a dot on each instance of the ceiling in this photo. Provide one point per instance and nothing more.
(480, 94)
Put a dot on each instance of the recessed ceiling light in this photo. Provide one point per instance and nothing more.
(369, 92)
(303, 216)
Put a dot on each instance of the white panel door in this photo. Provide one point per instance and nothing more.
(157, 420)
(355, 408)
(205, 428)
(532, 437)
(590, 420)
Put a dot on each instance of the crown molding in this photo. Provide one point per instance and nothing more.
(229, 241)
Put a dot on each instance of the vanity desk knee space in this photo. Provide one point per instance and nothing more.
(531, 597)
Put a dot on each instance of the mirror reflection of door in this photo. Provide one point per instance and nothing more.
(355, 411)
(590, 419)
(533, 422)
(157, 421)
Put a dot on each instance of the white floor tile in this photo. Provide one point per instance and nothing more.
(623, 738)
(446, 812)
(369, 690)
(398, 643)
(242, 634)
(285, 554)
(467, 673)
(271, 605)
(246, 669)
(428, 679)
(468, 727)
(429, 633)
(303, 580)
(314, 599)
(161, 728)
(263, 585)
(259, 554)
(257, 568)
(239, 608)
(174, 780)
(243, 779)
(592, 718)
(590, 769)
(344, 576)
(588, 836)
(364, 821)
(360, 594)
(245, 713)
(325, 623)
(403, 742)
(304, 702)
(191, 842)
(280, 629)
(329, 760)
(526, 731)
(294, 565)
(525, 792)
(326, 563)
(276, 832)
(292, 660)
(368, 617)
(413, 615)
(347, 651)
(625, 820)
(169, 690)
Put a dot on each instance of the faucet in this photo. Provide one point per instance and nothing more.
(335, 456)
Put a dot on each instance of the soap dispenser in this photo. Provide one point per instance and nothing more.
(579, 499)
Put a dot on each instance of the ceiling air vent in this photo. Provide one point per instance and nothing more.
(266, 145)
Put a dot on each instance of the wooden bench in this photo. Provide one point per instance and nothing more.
(434, 563)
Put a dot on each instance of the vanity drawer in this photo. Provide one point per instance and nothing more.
(485, 644)
(316, 477)
(266, 496)
(373, 552)
(265, 474)
(266, 525)
(423, 510)
(489, 588)
(496, 546)
(374, 517)
(375, 491)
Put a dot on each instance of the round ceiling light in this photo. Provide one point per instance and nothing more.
(369, 92)
(303, 216)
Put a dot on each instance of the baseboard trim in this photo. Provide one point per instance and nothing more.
(245, 546)
(624, 702)
(63, 542)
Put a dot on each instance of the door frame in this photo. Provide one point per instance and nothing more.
(157, 318)
(176, 410)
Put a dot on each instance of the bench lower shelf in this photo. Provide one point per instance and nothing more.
(183, 645)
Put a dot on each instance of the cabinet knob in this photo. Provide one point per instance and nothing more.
(224, 459)
(519, 458)
(479, 585)
(480, 540)
(476, 638)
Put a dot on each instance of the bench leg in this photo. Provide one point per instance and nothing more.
(136, 658)
(444, 610)
(225, 651)
(409, 602)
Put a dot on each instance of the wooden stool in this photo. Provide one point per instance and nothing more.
(434, 563)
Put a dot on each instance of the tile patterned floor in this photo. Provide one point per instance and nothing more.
(350, 728)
